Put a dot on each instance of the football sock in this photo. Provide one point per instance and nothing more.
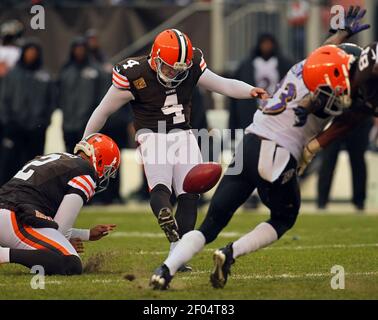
(4, 255)
(172, 247)
(186, 213)
(190, 244)
(260, 237)
(160, 199)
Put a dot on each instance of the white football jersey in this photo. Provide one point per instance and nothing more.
(276, 119)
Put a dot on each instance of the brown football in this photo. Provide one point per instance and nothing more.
(202, 177)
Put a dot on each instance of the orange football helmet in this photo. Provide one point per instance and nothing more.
(171, 57)
(326, 73)
(104, 155)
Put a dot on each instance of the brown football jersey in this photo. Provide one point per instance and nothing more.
(365, 81)
(45, 180)
(153, 102)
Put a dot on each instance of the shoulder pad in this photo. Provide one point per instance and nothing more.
(126, 71)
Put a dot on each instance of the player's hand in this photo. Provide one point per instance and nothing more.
(300, 116)
(259, 93)
(309, 152)
(99, 231)
(352, 22)
(77, 244)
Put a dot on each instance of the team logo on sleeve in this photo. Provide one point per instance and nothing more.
(140, 83)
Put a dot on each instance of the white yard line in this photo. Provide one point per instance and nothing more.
(136, 234)
(283, 276)
(236, 276)
(288, 247)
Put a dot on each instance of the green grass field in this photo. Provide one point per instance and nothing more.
(296, 267)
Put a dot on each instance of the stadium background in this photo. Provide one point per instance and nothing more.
(225, 30)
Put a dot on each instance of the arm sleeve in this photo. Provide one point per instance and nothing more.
(67, 213)
(112, 101)
(228, 87)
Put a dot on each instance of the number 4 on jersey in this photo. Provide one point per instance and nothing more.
(130, 64)
(171, 106)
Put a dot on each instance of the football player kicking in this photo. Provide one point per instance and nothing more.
(159, 87)
(271, 150)
(39, 205)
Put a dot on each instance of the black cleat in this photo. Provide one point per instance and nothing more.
(161, 278)
(223, 259)
(168, 224)
(185, 268)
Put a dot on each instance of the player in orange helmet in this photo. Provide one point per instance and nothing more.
(159, 87)
(39, 205)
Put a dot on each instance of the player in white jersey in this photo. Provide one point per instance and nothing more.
(270, 150)
(282, 105)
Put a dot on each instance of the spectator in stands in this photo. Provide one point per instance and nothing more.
(356, 144)
(81, 85)
(10, 32)
(94, 49)
(27, 102)
(264, 67)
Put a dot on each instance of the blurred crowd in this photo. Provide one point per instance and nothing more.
(29, 94)
(62, 3)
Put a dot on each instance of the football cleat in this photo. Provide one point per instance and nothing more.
(185, 268)
(168, 224)
(223, 259)
(161, 278)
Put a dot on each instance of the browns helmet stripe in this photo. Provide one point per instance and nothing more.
(183, 51)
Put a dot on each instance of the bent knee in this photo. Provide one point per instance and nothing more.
(72, 265)
(283, 224)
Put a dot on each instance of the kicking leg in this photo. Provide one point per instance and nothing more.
(230, 194)
(162, 209)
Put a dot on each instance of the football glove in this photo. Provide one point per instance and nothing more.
(352, 21)
(309, 152)
(300, 116)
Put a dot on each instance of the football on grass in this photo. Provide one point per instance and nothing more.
(202, 177)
